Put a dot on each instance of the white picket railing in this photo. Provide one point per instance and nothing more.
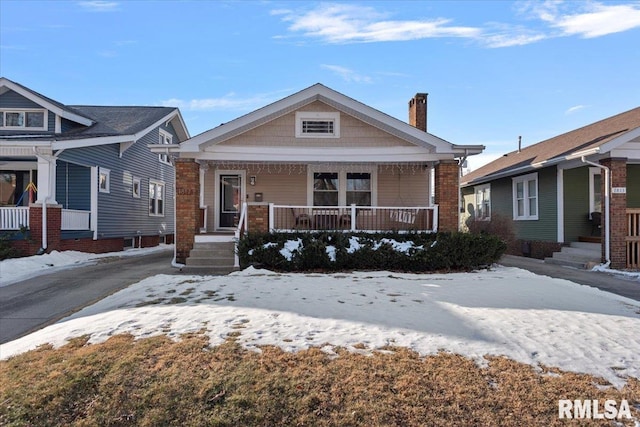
(14, 217)
(353, 218)
(73, 219)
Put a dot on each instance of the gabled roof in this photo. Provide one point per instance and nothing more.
(48, 103)
(599, 137)
(99, 124)
(319, 92)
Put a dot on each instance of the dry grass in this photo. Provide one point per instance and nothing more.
(158, 382)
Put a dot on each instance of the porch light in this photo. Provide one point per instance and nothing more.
(252, 180)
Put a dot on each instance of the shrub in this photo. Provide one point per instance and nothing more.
(334, 251)
(6, 249)
(500, 225)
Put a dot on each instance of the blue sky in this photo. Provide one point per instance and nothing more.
(494, 70)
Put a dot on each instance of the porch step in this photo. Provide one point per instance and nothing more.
(211, 258)
(577, 255)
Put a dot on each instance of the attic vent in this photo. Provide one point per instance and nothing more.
(317, 125)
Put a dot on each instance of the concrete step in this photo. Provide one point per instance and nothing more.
(214, 256)
(577, 255)
(211, 253)
(208, 270)
(566, 263)
(587, 245)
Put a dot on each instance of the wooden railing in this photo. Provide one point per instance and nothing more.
(353, 218)
(632, 239)
(14, 217)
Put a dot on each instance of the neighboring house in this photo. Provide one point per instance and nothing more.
(316, 160)
(558, 190)
(81, 177)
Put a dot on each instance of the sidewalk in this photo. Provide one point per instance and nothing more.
(617, 284)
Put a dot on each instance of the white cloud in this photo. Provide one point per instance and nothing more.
(574, 109)
(99, 5)
(230, 101)
(343, 23)
(348, 23)
(348, 74)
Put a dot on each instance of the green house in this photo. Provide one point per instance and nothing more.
(581, 186)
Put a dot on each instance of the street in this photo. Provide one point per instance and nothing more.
(35, 303)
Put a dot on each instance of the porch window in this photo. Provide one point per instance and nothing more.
(156, 198)
(525, 197)
(595, 191)
(103, 180)
(325, 189)
(165, 138)
(483, 202)
(25, 119)
(311, 124)
(359, 189)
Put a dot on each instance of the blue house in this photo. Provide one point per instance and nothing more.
(77, 177)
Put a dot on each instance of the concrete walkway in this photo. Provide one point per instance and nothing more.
(617, 284)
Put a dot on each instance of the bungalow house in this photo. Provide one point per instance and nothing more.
(81, 177)
(581, 186)
(315, 160)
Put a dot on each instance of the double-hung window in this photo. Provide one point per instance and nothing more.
(165, 138)
(483, 202)
(525, 197)
(341, 187)
(104, 181)
(156, 198)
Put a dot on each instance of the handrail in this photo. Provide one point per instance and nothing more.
(242, 226)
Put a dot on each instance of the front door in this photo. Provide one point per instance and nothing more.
(230, 199)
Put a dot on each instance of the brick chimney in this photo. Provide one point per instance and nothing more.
(418, 111)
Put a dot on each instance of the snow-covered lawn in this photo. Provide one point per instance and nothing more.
(503, 311)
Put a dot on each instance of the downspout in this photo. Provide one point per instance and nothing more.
(607, 244)
(45, 242)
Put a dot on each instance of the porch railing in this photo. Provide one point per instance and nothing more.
(353, 218)
(73, 219)
(632, 239)
(240, 229)
(14, 217)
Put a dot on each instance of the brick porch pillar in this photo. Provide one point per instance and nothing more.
(447, 175)
(187, 206)
(258, 217)
(617, 212)
(54, 224)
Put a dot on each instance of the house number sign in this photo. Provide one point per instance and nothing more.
(619, 190)
(185, 191)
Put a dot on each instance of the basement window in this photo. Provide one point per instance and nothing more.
(317, 124)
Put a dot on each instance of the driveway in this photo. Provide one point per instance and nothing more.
(35, 303)
(616, 284)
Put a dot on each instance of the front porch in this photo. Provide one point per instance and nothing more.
(15, 218)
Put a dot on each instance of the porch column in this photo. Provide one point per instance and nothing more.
(187, 206)
(447, 194)
(258, 217)
(617, 211)
(53, 225)
(46, 179)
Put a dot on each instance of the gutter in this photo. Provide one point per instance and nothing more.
(607, 243)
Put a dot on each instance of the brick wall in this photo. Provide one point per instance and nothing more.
(617, 212)
(187, 206)
(447, 194)
(258, 217)
(54, 222)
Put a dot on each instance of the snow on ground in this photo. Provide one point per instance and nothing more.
(17, 269)
(503, 311)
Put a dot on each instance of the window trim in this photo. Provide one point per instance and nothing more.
(164, 198)
(525, 179)
(164, 138)
(107, 173)
(135, 180)
(476, 191)
(342, 181)
(302, 116)
(24, 111)
(592, 202)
